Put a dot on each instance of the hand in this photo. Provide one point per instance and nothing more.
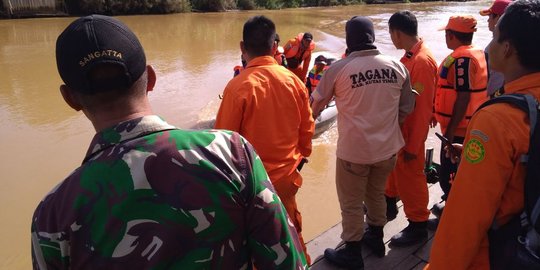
(453, 152)
(408, 156)
(433, 122)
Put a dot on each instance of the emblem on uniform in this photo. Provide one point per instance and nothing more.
(474, 151)
(446, 65)
(419, 87)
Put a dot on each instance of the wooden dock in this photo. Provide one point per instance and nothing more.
(403, 258)
(399, 258)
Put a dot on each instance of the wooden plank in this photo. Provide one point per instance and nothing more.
(408, 263)
(420, 266)
(325, 265)
(328, 239)
(424, 251)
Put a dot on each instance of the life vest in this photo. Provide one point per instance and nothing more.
(314, 77)
(294, 55)
(237, 70)
(280, 57)
(446, 94)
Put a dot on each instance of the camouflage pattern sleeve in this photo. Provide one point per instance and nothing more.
(271, 236)
(49, 250)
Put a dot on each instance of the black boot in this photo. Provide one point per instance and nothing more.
(373, 238)
(432, 224)
(438, 209)
(413, 234)
(391, 208)
(349, 257)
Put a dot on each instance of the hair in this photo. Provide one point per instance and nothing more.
(109, 81)
(520, 25)
(464, 38)
(259, 35)
(405, 22)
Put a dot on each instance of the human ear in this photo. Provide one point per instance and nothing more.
(151, 79)
(70, 97)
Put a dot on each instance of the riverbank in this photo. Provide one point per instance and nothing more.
(10, 9)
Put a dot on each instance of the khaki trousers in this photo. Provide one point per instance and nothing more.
(359, 184)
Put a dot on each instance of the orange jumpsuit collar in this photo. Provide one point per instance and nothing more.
(262, 61)
(414, 50)
(523, 83)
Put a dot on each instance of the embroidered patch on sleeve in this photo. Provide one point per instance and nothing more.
(419, 87)
(474, 151)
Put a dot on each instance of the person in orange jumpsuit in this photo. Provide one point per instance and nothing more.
(407, 180)
(490, 180)
(298, 54)
(279, 124)
(461, 89)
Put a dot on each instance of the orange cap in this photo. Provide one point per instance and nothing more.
(461, 23)
(496, 8)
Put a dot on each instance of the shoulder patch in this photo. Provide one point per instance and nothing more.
(419, 87)
(474, 151)
(448, 61)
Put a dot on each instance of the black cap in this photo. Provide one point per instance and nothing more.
(93, 40)
(307, 36)
(359, 34)
(320, 60)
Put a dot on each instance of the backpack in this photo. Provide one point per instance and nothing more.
(516, 245)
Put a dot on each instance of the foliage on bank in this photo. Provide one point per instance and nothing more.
(220, 5)
(117, 7)
(29, 8)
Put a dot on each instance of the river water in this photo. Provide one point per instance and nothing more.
(42, 140)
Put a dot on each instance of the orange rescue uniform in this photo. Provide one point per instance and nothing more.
(293, 50)
(489, 182)
(269, 106)
(407, 180)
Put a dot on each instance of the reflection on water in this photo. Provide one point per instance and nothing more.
(42, 140)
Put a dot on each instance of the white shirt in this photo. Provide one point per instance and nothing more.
(373, 96)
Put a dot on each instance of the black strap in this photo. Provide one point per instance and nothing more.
(468, 117)
(526, 103)
(450, 87)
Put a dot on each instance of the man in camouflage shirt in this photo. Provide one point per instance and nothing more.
(148, 195)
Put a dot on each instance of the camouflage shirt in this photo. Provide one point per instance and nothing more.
(149, 196)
